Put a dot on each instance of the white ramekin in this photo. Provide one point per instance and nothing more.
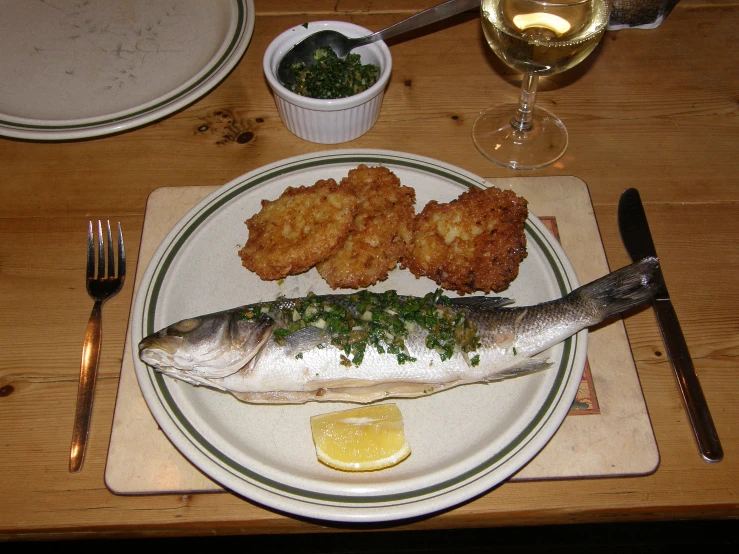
(328, 121)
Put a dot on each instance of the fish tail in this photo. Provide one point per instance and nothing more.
(623, 289)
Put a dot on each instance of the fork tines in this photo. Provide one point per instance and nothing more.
(91, 266)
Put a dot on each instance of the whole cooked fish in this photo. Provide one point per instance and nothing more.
(368, 346)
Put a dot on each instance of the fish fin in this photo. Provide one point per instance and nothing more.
(623, 289)
(192, 379)
(524, 367)
(305, 339)
(481, 301)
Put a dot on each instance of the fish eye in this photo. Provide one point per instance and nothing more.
(187, 325)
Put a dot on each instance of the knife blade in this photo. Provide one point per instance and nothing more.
(637, 238)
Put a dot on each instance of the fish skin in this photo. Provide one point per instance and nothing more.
(261, 368)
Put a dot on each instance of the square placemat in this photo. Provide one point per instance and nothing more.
(607, 433)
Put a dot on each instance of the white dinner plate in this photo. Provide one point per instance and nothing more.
(76, 69)
(464, 441)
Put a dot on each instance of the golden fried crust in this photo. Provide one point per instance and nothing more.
(302, 227)
(381, 230)
(474, 243)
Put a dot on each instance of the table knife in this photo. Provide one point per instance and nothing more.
(632, 223)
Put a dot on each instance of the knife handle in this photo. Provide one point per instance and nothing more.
(690, 387)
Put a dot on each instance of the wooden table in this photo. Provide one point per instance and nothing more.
(656, 110)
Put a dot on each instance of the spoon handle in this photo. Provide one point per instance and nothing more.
(426, 17)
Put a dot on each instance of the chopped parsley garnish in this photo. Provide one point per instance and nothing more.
(384, 321)
(330, 77)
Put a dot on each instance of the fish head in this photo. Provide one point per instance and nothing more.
(210, 346)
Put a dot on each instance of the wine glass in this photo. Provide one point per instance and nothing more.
(536, 37)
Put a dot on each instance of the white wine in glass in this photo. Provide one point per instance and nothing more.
(536, 37)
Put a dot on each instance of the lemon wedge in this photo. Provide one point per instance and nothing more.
(360, 439)
(549, 21)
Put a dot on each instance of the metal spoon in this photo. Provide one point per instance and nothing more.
(342, 45)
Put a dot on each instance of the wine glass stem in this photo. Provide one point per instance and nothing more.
(524, 115)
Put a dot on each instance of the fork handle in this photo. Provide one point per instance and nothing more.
(86, 389)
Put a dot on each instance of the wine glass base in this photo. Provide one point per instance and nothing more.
(504, 145)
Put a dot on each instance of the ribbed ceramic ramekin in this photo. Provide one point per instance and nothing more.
(328, 121)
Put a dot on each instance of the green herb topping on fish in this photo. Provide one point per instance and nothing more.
(354, 322)
(368, 346)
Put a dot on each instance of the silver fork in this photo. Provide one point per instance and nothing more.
(100, 286)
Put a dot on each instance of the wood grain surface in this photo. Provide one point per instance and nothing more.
(655, 109)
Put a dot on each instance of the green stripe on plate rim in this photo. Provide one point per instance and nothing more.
(159, 384)
(238, 33)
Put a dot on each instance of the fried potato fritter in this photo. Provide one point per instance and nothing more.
(302, 227)
(474, 243)
(381, 230)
